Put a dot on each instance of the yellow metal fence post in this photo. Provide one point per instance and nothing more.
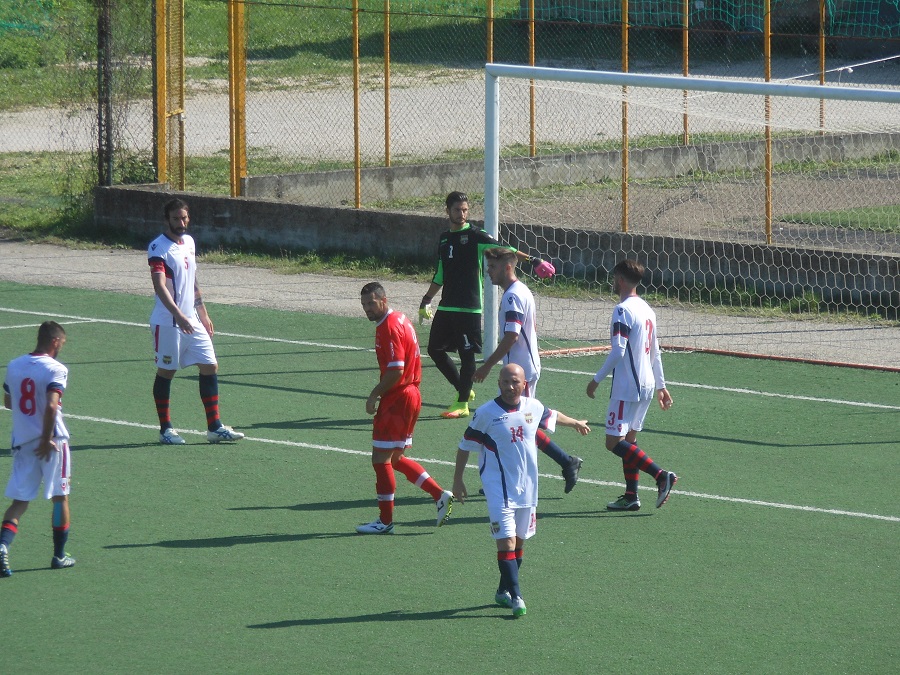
(624, 118)
(161, 150)
(387, 82)
(767, 56)
(357, 169)
(237, 93)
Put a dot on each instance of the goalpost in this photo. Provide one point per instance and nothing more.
(767, 214)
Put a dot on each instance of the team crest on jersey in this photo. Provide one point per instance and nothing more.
(620, 310)
(528, 418)
(464, 239)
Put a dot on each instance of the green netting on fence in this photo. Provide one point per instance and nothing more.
(852, 18)
(843, 18)
(24, 16)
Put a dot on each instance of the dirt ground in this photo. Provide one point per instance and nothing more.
(125, 271)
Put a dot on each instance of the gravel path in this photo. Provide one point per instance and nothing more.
(425, 120)
(123, 271)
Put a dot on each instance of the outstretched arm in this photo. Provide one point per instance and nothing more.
(581, 426)
(542, 268)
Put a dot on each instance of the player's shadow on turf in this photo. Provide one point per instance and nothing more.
(364, 424)
(394, 615)
(596, 514)
(114, 446)
(332, 506)
(480, 519)
(269, 387)
(238, 540)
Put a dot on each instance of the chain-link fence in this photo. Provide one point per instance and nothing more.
(413, 127)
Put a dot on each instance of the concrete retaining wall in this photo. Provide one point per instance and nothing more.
(839, 277)
(426, 180)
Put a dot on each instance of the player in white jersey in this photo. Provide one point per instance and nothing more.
(517, 320)
(503, 432)
(181, 328)
(636, 367)
(33, 390)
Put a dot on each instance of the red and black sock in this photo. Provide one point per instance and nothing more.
(209, 393)
(162, 388)
(632, 455)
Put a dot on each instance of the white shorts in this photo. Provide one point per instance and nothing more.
(175, 349)
(512, 522)
(625, 416)
(28, 471)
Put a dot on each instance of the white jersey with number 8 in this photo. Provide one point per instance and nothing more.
(28, 380)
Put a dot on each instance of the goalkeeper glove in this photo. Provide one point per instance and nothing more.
(542, 268)
(425, 311)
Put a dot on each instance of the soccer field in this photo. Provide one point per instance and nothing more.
(778, 552)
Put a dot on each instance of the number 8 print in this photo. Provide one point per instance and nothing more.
(27, 403)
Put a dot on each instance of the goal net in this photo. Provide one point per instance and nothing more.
(767, 214)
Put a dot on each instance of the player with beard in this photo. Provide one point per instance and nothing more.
(180, 325)
(457, 322)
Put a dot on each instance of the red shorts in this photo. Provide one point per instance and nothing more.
(396, 418)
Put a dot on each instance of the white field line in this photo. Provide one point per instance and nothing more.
(442, 462)
(752, 392)
(329, 448)
(86, 319)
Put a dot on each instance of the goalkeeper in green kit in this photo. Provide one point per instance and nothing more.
(456, 324)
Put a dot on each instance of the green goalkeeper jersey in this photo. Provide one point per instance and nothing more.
(459, 268)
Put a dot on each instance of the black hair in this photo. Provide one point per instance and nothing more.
(455, 197)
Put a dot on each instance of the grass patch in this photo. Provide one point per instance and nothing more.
(285, 261)
(871, 218)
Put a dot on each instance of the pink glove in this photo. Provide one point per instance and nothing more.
(543, 269)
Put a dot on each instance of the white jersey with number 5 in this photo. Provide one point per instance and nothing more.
(504, 439)
(179, 264)
(639, 373)
(28, 380)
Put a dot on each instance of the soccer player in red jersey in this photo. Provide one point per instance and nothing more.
(399, 359)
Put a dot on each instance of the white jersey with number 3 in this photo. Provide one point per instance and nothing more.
(504, 439)
(29, 378)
